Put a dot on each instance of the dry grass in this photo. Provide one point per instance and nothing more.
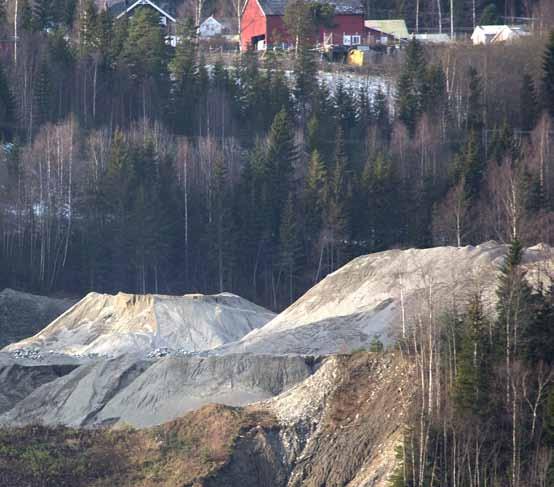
(178, 453)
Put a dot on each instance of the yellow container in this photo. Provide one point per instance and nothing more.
(355, 57)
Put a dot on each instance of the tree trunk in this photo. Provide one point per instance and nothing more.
(452, 19)
(15, 32)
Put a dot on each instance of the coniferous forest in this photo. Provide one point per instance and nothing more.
(131, 165)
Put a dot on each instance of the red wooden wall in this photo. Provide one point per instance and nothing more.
(344, 24)
(253, 23)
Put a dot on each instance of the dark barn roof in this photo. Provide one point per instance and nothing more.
(342, 7)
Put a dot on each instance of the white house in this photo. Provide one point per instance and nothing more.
(493, 34)
(211, 27)
(125, 8)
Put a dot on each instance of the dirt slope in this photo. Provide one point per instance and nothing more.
(339, 427)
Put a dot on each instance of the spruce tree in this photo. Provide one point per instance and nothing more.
(529, 106)
(345, 110)
(538, 337)
(116, 196)
(384, 225)
(220, 234)
(289, 245)
(7, 108)
(412, 86)
(119, 35)
(363, 113)
(88, 25)
(475, 120)
(322, 124)
(26, 16)
(339, 195)
(43, 17)
(514, 311)
(144, 51)
(42, 94)
(305, 76)
(105, 34)
(251, 216)
(280, 160)
(435, 95)
(185, 74)
(376, 345)
(251, 95)
(313, 141)
(315, 194)
(279, 94)
(504, 144)
(382, 116)
(489, 15)
(3, 14)
(472, 167)
(473, 365)
(220, 77)
(548, 75)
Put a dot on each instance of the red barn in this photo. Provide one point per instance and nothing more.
(262, 24)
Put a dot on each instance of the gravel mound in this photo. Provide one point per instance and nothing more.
(375, 294)
(127, 323)
(131, 390)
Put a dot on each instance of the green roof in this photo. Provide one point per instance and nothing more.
(396, 28)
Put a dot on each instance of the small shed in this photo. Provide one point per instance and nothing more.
(386, 31)
(484, 34)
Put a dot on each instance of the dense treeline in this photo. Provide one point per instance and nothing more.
(130, 165)
(484, 414)
(464, 15)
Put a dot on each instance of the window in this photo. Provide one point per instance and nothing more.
(356, 40)
(347, 40)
